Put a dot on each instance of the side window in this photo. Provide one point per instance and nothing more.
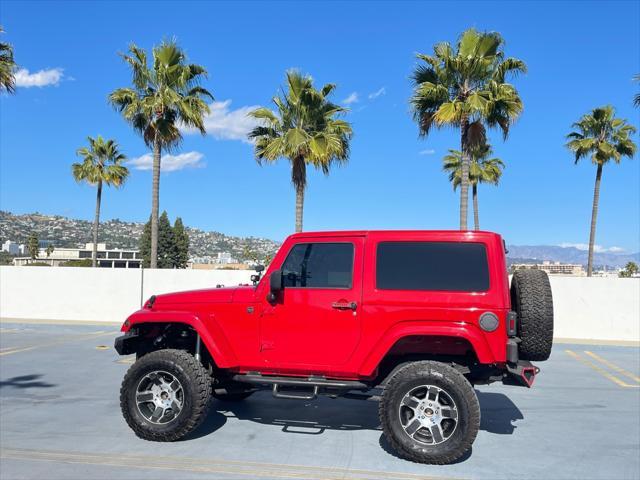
(319, 265)
(432, 266)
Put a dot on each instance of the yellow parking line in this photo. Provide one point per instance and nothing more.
(613, 366)
(601, 371)
(245, 469)
(10, 351)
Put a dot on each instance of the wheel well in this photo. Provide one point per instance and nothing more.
(456, 351)
(162, 335)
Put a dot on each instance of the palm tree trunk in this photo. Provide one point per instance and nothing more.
(299, 179)
(476, 215)
(155, 201)
(594, 215)
(464, 180)
(96, 222)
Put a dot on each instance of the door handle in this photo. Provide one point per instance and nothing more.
(344, 305)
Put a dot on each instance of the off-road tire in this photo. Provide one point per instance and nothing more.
(532, 300)
(457, 386)
(196, 383)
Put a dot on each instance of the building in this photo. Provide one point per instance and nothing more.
(107, 258)
(555, 268)
(12, 248)
(225, 258)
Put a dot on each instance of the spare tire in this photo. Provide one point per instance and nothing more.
(531, 299)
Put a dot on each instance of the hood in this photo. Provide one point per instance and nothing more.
(209, 295)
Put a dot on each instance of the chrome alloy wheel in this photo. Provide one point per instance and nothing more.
(428, 414)
(159, 397)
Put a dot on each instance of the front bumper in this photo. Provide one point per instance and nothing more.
(127, 344)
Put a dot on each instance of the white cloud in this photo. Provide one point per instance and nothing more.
(428, 151)
(225, 124)
(352, 98)
(41, 78)
(169, 163)
(596, 248)
(377, 93)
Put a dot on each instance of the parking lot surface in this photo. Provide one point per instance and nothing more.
(60, 419)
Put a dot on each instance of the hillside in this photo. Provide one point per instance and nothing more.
(67, 232)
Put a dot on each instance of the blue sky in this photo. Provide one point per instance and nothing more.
(580, 55)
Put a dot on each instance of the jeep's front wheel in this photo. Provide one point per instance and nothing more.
(429, 413)
(165, 395)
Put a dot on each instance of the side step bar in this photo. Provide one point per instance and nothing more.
(314, 383)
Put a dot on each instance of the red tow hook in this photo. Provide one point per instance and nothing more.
(523, 372)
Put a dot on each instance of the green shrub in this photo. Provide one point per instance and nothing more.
(85, 262)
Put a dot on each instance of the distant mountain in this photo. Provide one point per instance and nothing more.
(68, 232)
(553, 253)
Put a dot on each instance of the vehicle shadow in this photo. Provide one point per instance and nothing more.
(26, 381)
(304, 417)
(498, 413)
(314, 417)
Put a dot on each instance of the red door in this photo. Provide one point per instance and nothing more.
(317, 322)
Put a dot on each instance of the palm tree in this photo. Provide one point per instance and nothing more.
(102, 164)
(465, 88)
(636, 99)
(7, 67)
(482, 170)
(304, 130)
(604, 137)
(165, 96)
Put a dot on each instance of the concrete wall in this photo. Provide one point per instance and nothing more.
(585, 308)
(96, 294)
(596, 308)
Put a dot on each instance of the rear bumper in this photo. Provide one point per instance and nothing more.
(519, 372)
(522, 374)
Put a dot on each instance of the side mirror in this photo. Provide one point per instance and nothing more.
(275, 286)
(259, 268)
(275, 281)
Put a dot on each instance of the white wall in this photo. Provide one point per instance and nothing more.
(96, 294)
(585, 308)
(600, 308)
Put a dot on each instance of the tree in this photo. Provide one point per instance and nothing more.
(249, 255)
(173, 244)
(466, 88)
(481, 170)
(604, 137)
(166, 243)
(33, 246)
(164, 96)
(102, 164)
(630, 269)
(304, 130)
(636, 99)
(7, 67)
(181, 239)
(145, 244)
(49, 250)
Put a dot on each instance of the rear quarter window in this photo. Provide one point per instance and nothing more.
(452, 266)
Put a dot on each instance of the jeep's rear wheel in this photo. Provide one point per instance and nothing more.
(532, 301)
(165, 395)
(429, 413)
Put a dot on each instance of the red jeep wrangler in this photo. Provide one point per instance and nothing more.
(421, 316)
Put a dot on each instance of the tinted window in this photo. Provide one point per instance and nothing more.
(319, 265)
(432, 266)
